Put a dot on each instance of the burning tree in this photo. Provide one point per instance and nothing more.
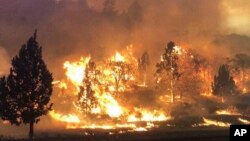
(201, 73)
(223, 83)
(193, 76)
(143, 64)
(240, 64)
(239, 67)
(120, 71)
(169, 65)
(26, 92)
(86, 96)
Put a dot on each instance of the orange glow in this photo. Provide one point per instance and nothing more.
(209, 122)
(75, 70)
(70, 118)
(229, 111)
(104, 93)
(118, 58)
(244, 121)
(148, 116)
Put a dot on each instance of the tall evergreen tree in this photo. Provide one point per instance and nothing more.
(26, 92)
(223, 82)
(7, 104)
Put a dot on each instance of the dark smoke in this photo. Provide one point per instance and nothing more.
(69, 29)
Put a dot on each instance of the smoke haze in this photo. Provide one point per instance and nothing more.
(70, 29)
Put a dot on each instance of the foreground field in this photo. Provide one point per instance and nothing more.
(160, 134)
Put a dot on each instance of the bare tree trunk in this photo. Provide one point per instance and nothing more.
(172, 93)
(117, 81)
(145, 78)
(31, 132)
(171, 82)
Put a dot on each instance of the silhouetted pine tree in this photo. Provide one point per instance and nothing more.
(25, 94)
(8, 106)
(223, 82)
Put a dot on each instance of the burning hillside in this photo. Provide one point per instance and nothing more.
(97, 90)
(116, 93)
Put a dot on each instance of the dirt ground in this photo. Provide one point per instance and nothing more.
(160, 134)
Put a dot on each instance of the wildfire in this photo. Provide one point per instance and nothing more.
(209, 122)
(110, 105)
(75, 71)
(227, 112)
(244, 121)
(148, 116)
(60, 84)
(178, 50)
(100, 88)
(107, 104)
(118, 58)
(103, 81)
(244, 90)
(70, 118)
(107, 127)
(140, 129)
